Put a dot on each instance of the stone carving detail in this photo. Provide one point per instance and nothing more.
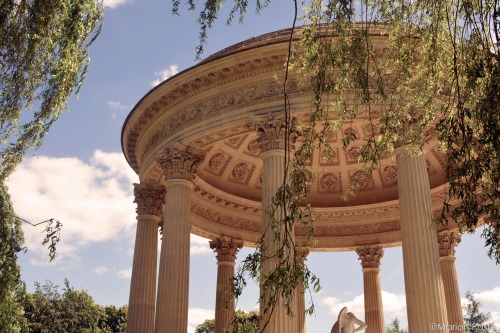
(370, 256)
(347, 322)
(254, 147)
(356, 230)
(370, 130)
(236, 141)
(329, 183)
(150, 199)
(447, 242)
(363, 180)
(351, 132)
(260, 180)
(352, 155)
(211, 107)
(332, 159)
(226, 220)
(390, 176)
(272, 132)
(242, 172)
(222, 134)
(180, 162)
(226, 248)
(218, 162)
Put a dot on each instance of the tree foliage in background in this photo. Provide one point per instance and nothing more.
(48, 310)
(43, 60)
(244, 322)
(415, 71)
(393, 327)
(475, 320)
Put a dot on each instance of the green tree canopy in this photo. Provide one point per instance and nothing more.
(475, 320)
(244, 322)
(43, 60)
(48, 310)
(393, 327)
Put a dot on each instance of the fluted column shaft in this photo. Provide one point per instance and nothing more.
(179, 164)
(370, 257)
(226, 250)
(142, 299)
(423, 283)
(272, 133)
(447, 242)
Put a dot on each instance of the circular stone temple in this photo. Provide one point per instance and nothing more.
(208, 146)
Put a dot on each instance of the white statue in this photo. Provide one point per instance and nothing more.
(346, 321)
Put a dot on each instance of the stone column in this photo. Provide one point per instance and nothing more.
(301, 303)
(447, 241)
(423, 283)
(370, 257)
(272, 134)
(141, 306)
(179, 164)
(226, 250)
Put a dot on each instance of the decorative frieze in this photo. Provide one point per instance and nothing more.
(226, 248)
(272, 132)
(150, 199)
(370, 256)
(179, 161)
(447, 241)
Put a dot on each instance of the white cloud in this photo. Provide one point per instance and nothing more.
(116, 105)
(164, 74)
(199, 245)
(495, 317)
(489, 296)
(100, 270)
(93, 200)
(115, 3)
(197, 316)
(125, 273)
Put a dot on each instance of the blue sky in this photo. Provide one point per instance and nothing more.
(80, 177)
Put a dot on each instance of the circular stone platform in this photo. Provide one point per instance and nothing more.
(212, 106)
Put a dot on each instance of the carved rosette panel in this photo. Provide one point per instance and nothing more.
(363, 180)
(235, 142)
(272, 132)
(330, 183)
(370, 256)
(218, 162)
(180, 162)
(447, 242)
(226, 248)
(352, 155)
(253, 148)
(389, 176)
(241, 173)
(150, 199)
(329, 158)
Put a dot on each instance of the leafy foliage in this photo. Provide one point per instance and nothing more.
(475, 320)
(11, 240)
(243, 323)
(43, 60)
(48, 310)
(393, 327)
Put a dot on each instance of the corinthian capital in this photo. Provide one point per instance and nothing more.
(447, 242)
(370, 256)
(150, 199)
(179, 161)
(226, 249)
(272, 132)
